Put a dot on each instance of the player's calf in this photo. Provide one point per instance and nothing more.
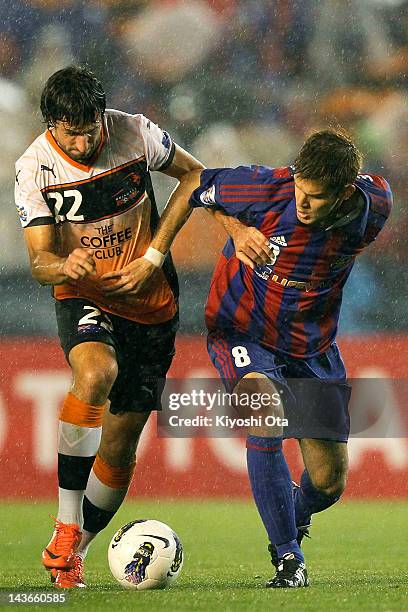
(302, 530)
(267, 469)
(330, 486)
(111, 473)
(324, 480)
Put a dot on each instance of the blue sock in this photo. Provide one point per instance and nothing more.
(309, 500)
(272, 490)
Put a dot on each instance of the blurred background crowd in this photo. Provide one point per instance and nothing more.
(233, 81)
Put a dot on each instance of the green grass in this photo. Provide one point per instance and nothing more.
(357, 559)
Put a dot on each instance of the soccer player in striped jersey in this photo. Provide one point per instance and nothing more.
(270, 325)
(86, 203)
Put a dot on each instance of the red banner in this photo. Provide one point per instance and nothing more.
(35, 379)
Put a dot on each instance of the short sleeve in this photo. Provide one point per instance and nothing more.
(31, 206)
(159, 147)
(378, 193)
(233, 190)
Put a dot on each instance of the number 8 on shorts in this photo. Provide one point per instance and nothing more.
(241, 357)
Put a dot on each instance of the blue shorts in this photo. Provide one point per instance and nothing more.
(315, 391)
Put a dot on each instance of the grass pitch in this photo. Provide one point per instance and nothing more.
(357, 559)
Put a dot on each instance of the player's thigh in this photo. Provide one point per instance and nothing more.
(87, 339)
(327, 463)
(236, 357)
(322, 395)
(145, 356)
(254, 375)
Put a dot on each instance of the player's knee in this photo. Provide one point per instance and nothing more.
(330, 483)
(257, 392)
(96, 380)
(259, 399)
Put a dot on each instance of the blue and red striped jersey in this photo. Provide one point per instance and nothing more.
(291, 305)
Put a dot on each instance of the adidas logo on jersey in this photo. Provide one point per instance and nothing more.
(279, 240)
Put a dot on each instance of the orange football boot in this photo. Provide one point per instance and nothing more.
(71, 579)
(60, 552)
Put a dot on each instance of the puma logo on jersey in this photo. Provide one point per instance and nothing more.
(43, 168)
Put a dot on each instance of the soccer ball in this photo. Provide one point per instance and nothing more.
(145, 554)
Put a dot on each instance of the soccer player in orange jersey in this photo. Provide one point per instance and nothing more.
(85, 200)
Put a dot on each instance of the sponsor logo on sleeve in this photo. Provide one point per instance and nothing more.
(22, 213)
(208, 196)
(166, 140)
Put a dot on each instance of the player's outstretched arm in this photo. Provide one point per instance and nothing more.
(176, 212)
(251, 246)
(187, 170)
(182, 163)
(47, 267)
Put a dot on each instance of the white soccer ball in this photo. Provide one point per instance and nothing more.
(145, 554)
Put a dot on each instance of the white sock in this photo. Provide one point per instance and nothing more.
(86, 539)
(70, 506)
(75, 441)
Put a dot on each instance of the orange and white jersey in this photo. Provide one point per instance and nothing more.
(107, 206)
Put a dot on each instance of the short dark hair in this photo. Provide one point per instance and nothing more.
(72, 94)
(331, 157)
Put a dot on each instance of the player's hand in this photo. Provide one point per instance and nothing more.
(251, 246)
(131, 279)
(79, 264)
